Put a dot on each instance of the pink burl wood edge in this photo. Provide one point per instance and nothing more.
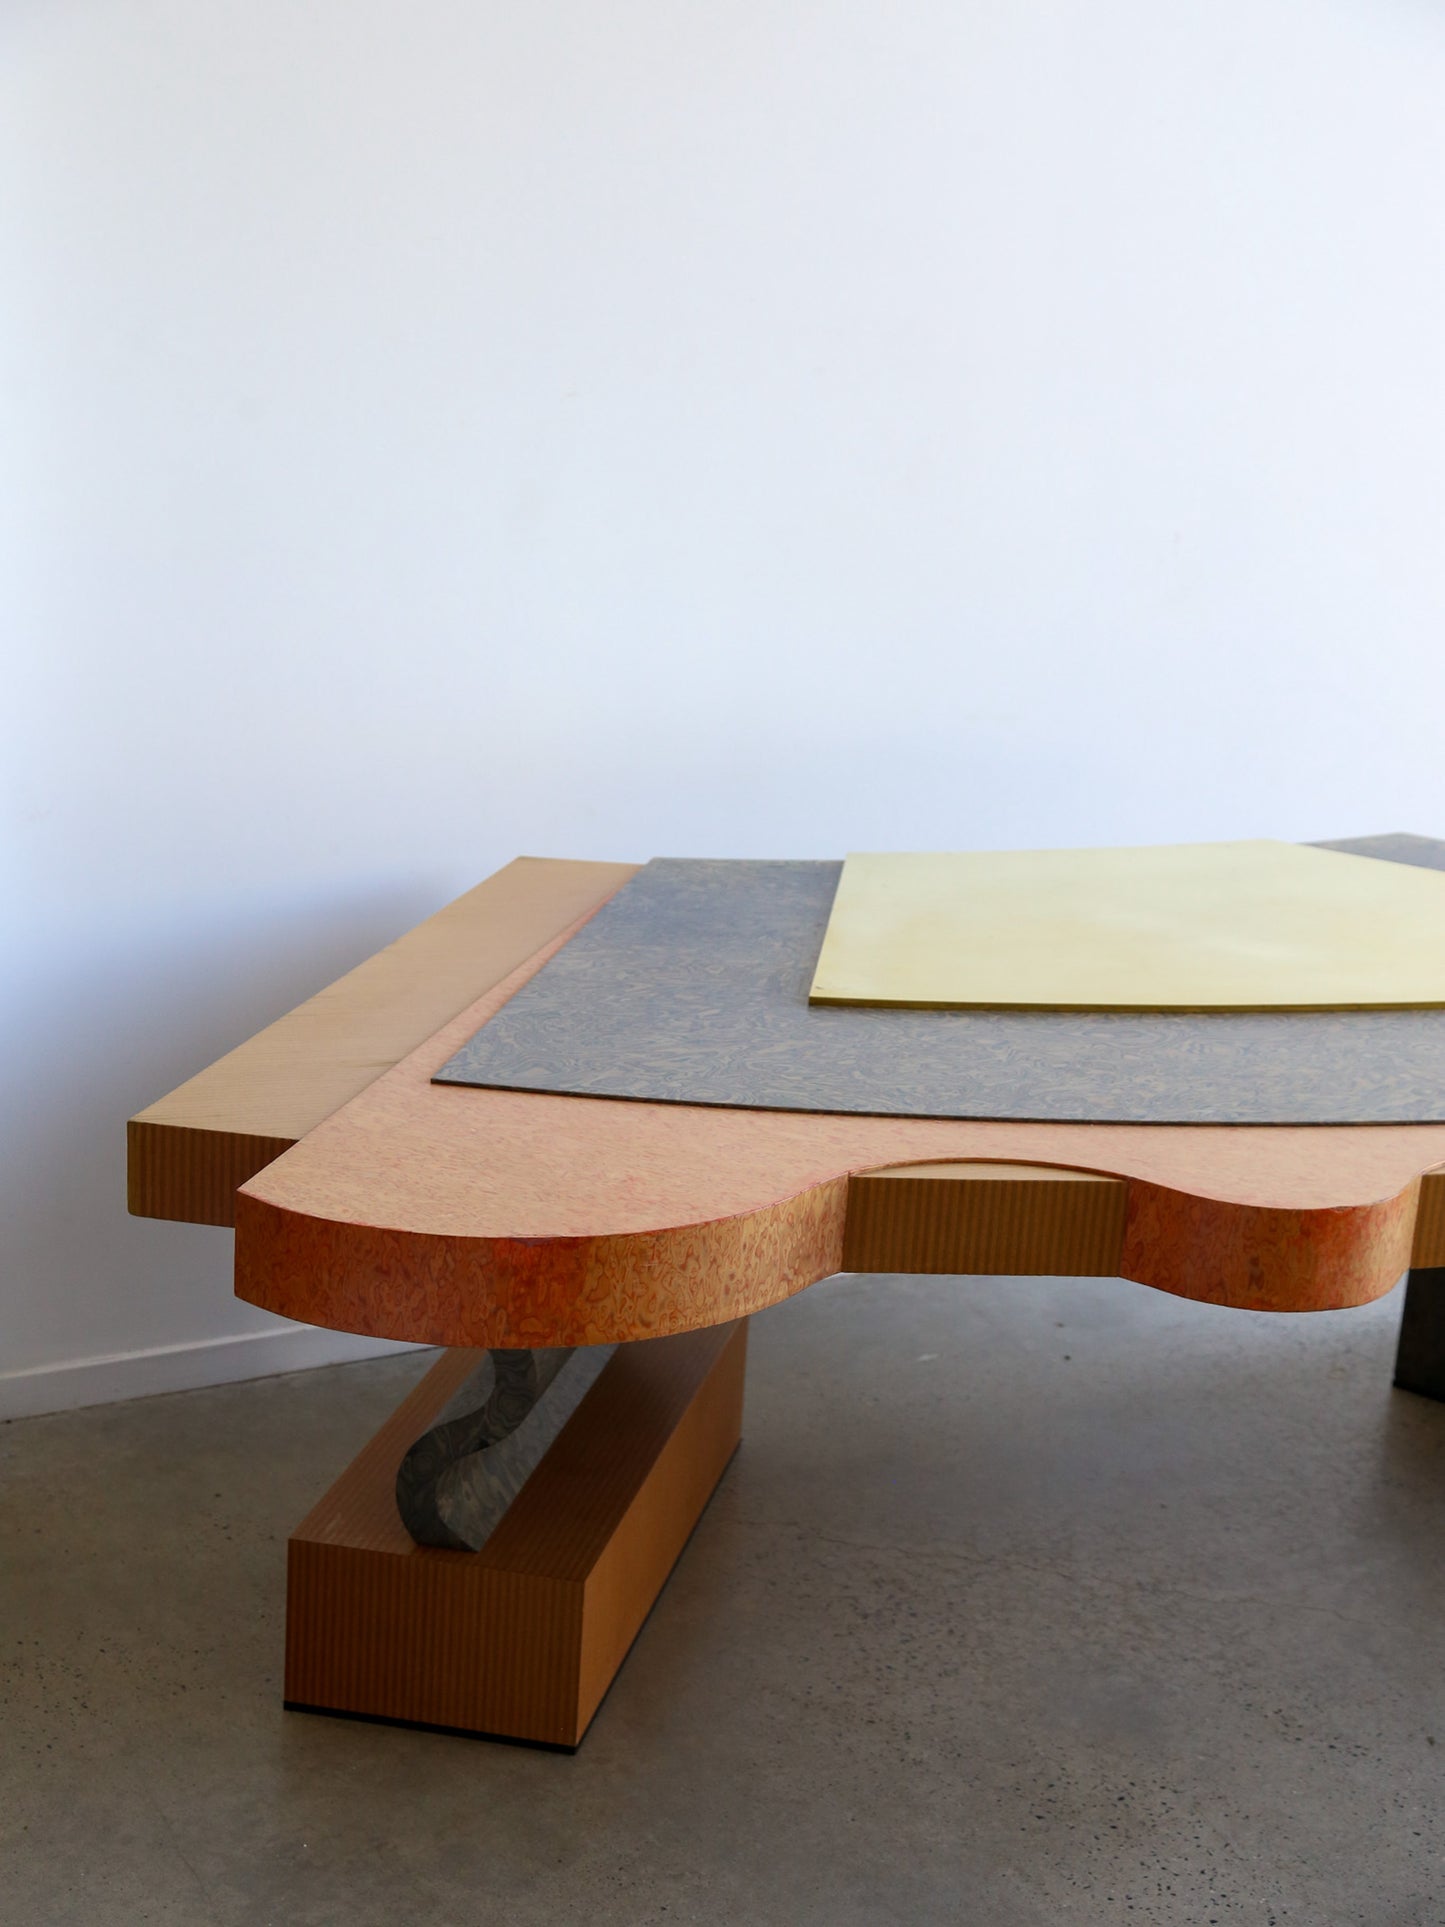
(470, 1217)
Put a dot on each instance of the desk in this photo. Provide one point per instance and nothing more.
(366, 1198)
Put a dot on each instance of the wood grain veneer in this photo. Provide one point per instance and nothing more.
(985, 1218)
(190, 1150)
(521, 1639)
(1428, 1244)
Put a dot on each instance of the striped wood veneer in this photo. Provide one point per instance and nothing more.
(989, 1218)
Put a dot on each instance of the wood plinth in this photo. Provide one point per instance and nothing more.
(521, 1640)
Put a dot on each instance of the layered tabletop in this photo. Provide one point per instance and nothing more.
(375, 1200)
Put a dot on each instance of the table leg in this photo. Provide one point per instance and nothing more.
(520, 1639)
(1420, 1361)
(468, 1468)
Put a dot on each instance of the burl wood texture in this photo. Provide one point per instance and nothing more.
(189, 1151)
(478, 1217)
(522, 1639)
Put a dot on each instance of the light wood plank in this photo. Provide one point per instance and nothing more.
(189, 1151)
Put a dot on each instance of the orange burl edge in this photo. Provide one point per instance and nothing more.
(457, 1216)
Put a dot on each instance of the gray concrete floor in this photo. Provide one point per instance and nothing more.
(1026, 1602)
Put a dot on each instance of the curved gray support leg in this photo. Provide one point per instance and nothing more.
(1420, 1361)
(460, 1476)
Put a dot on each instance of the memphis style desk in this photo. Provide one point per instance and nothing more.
(367, 1198)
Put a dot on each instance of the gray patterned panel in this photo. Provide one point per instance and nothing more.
(459, 1478)
(691, 987)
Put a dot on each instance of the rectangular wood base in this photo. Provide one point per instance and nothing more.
(521, 1640)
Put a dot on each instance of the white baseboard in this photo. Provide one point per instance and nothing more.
(182, 1368)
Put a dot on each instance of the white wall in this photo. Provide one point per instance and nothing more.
(439, 430)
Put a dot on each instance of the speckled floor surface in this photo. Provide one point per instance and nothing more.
(1025, 1603)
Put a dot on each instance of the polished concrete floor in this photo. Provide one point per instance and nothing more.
(1024, 1603)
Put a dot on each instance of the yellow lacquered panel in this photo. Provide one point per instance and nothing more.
(1186, 926)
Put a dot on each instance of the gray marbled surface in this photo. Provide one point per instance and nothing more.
(458, 1479)
(691, 987)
